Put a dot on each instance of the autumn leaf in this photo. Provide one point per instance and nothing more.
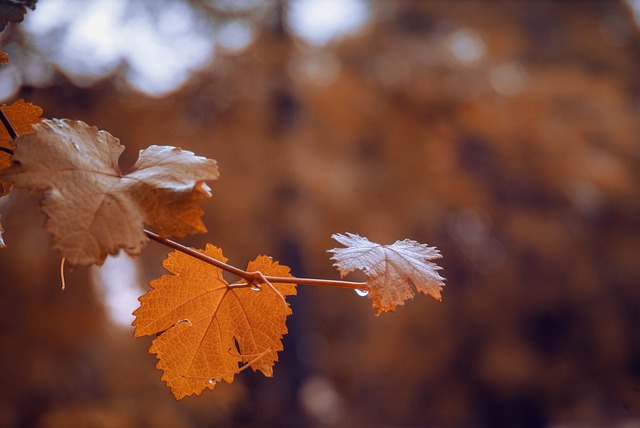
(207, 329)
(393, 271)
(14, 11)
(92, 208)
(21, 116)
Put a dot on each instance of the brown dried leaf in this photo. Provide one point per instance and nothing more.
(393, 271)
(92, 208)
(206, 329)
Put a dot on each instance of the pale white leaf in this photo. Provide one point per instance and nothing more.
(394, 272)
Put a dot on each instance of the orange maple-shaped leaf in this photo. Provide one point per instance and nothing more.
(208, 331)
(21, 116)
(92, 208)
(393, 271)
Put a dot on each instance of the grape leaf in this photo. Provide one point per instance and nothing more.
(393, 271)
(21, 116)
(14, 10)
(92, 209)
(206, 329)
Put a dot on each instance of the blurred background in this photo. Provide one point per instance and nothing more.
(505, 133)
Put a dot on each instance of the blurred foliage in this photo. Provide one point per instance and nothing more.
(504, 133)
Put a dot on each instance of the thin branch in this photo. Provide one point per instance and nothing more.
(253, 277)
(319, 282)
(198, 255)
(7, 124)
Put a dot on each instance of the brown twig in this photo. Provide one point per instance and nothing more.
(254, 277)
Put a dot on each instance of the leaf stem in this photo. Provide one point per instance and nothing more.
(252, 277)
(7, 124)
